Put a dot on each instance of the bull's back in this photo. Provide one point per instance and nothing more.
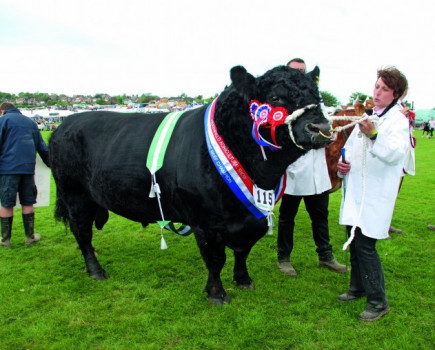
(100, 136)
(100, 150)
(104, 155)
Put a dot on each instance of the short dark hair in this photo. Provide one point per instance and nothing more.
(394, 79)
(297, 59)
(6, 105)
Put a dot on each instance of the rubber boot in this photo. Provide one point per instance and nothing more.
(6, 224)
(29, 224)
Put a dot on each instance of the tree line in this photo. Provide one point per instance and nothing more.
(49, 100)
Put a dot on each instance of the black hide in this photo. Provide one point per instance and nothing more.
(98, 161)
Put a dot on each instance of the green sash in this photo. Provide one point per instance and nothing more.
(155, 158)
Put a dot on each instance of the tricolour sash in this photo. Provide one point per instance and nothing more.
(230, 168)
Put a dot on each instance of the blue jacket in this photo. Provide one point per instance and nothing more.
(20, 139)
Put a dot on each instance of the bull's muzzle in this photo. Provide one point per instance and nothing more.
(320, 133)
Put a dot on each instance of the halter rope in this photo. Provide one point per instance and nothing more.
(356, 120)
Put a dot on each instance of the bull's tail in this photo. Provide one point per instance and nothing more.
(61, 210)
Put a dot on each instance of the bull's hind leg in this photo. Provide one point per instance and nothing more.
(213, 253)
(241, 275)
(81, 217)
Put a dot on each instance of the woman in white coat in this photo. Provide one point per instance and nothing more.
(374, 157)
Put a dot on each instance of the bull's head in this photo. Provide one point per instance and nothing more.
(289, 90)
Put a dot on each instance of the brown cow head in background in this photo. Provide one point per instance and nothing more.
(333, 151)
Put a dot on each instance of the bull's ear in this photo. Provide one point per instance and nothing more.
(242, 81)
(315, 74)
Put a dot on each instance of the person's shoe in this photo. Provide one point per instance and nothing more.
(348, 297)
(6, 243)
(431, 227)
(287, 268)
(333, 265)
(373, 315)
(395, 230)
(35, 238)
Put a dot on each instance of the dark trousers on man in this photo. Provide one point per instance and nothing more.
(317, 208)
(366, 276)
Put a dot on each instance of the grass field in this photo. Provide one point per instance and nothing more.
(153, 298)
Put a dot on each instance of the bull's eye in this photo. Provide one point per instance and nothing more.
(276, 99)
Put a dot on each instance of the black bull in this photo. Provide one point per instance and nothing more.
(98, 161)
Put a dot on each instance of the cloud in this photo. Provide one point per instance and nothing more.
(171, 47)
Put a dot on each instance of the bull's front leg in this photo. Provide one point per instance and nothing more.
(213, 253)
(241, 275)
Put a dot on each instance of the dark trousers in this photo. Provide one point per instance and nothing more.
(366, 276)
(317, 208)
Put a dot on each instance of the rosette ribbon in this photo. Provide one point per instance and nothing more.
(266, 116)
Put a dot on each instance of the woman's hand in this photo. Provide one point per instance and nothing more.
(367, 127)
(343, 168)
(405, 111)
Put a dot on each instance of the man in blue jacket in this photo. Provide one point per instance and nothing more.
(20, 139)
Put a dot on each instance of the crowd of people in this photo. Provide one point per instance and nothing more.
(371, 167)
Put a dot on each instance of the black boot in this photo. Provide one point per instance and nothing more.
(6, 224)
(29, 224)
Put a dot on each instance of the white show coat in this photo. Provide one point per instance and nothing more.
(308, 175)
(384, 164)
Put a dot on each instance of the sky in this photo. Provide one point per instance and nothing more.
(171, 47)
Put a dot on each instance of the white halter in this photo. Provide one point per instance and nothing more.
(292, 117)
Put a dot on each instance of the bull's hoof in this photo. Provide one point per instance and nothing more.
(245, 286)
(99, 276)
(218, 301)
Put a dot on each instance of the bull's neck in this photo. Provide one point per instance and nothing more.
(236, 133)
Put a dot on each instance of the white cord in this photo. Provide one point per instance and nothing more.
(355, 120)
(363, 195)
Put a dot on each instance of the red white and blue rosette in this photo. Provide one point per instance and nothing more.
(266, 116)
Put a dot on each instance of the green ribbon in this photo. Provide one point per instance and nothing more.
(183, 230)
(160, 141)
(155, 158)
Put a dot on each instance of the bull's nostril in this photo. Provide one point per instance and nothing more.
(313, 128)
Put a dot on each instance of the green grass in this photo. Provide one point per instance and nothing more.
(153, 298)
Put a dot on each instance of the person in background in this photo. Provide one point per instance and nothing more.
(426, 129)
(297, 63)
(20, 139)
(375, 155)
(432, 126)
(307, 179)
